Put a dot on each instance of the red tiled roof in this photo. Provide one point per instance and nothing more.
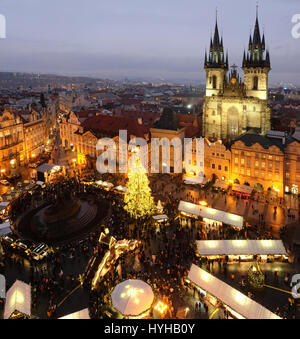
(113, 124)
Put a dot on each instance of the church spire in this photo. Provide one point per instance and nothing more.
(256, 56)
(216, 51)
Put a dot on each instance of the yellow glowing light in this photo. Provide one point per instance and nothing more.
(276, 189)
(203, 203)
(161, 307)
(106, 231)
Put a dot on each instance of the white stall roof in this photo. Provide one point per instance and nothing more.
(4, 204)
(84, 314)
(40, 183)
(160, 217)
(46, 168)
(18, 298)
(242, 189)
(241, 247)
(2, 287)
(210, 213)
(231, 297)
(194, 180)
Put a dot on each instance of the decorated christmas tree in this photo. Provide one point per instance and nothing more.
(138, 200)
(256, 278)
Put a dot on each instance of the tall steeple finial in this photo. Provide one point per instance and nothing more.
(257, 9)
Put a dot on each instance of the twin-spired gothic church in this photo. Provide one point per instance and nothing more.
(232, 106)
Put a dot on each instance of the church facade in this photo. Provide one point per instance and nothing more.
(233, 106)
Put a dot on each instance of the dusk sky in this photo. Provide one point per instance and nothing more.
(138, 38)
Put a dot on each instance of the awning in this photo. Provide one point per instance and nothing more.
(231, 297)
(240, 247)
(242, 189)
(18, 299)
(212, 214)
(84, 314)
(40, 183)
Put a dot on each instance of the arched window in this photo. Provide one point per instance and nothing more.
(255, 83)
(214, 82)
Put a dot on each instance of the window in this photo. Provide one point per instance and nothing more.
(213, 166)
(263, 165)
(242, 161)
(255, 83)
(219, 167)
(214, 82)
(248, 173)
(256, 163)
(236, 160)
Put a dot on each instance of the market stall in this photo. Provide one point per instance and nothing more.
(83, 314)
(133, 298)
(160, 218)
(194, 180)
(210, 215)
(18, 301)
(242, 249)
(217, 292)
(242, 190)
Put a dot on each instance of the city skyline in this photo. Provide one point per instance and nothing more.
(137, 41)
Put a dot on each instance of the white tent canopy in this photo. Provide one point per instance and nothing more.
(2, 287)
(132, 297)
(231, 297)
(212, 214)
(18, 298)
(83, 314)
(241, 247)
(160, 217)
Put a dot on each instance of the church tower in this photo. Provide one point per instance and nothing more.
(215, 65)
(256, 65)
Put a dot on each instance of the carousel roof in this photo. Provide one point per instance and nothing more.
(132, 297)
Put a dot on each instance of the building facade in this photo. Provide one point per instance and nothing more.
(22, 138)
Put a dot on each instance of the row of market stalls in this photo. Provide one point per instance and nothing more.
(17, 302)
(210, 215)
(217, 292)
(244, 250)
